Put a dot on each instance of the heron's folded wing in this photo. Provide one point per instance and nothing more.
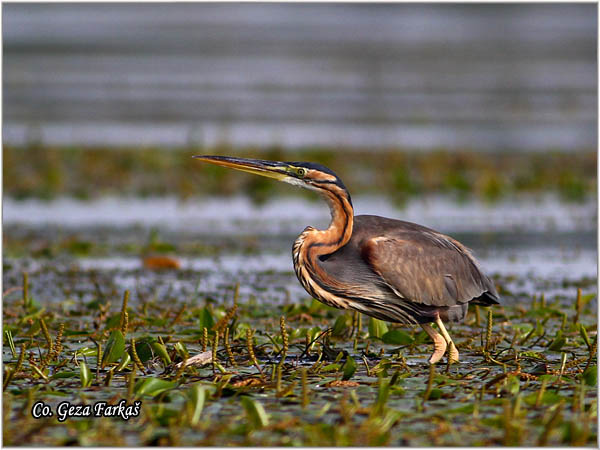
(427, 268)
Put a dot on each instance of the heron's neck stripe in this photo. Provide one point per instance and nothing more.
(314, 243)
(339, 210)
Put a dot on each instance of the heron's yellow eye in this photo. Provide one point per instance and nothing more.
(301, 172)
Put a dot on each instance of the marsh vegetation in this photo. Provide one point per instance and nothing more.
(104, 318)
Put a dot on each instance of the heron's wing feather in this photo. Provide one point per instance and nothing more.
(426, 267)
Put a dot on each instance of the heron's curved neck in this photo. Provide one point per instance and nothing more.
(313, 243)
(339, 232)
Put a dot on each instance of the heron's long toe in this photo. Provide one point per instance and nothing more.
(439, 348)
(453, 353)
(439, 344)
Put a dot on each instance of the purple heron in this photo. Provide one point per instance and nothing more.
(385, 268)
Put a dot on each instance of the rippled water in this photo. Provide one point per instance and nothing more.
(532, 246)
(237, 215)
(482, 77)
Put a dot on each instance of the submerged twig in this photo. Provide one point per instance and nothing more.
(198, 360)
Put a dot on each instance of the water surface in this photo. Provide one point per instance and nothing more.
(481, 77)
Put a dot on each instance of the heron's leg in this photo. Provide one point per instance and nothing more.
(452, 351)
(439, 344)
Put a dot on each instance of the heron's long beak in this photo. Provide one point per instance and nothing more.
(272, 169)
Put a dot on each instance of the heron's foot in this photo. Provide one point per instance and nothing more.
(439, 344)
(439, 348)
(452, 353)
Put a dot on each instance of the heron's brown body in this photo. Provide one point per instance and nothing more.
(389, 269)
(431, 274)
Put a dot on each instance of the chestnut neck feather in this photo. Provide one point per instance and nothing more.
(314, 243)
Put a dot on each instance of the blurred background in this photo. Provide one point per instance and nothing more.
(484, 100)
(404, 76)
(479, 120)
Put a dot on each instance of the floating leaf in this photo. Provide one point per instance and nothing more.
(330, 368)
(161, 351)
(57, 393)
(68, 333)
(257, 416)
(435, 394)
(421, 337)
(513, 385)
(590, 376)
(340, 326)
(113, 321)
(585, 299)
(377, 328)
(85, 374)
(163, 415)
(548, 398)
(467, 409)
(153, 386)
(558, 342)
(35, 308)
(382, 397)
(196, 397)
(143, 349)
(397, 337)
(397, 390)
(584, 336)
(348, 368)
(315, 306)
(532, 354)
(87, 351)
(181, 350)
(64, 374)
(205, 319)
(125, 360)
(522, 328)
(115, 347)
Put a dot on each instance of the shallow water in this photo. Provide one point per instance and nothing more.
(80, 258)
(238, 215)
(530, 247)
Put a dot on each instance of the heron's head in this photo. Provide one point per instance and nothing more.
(304, 174)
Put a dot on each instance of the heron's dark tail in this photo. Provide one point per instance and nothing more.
(486, 299)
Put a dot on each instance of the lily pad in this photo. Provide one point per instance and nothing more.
(115, 347)
(153, 386)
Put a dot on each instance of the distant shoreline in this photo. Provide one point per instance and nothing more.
(396, 174)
